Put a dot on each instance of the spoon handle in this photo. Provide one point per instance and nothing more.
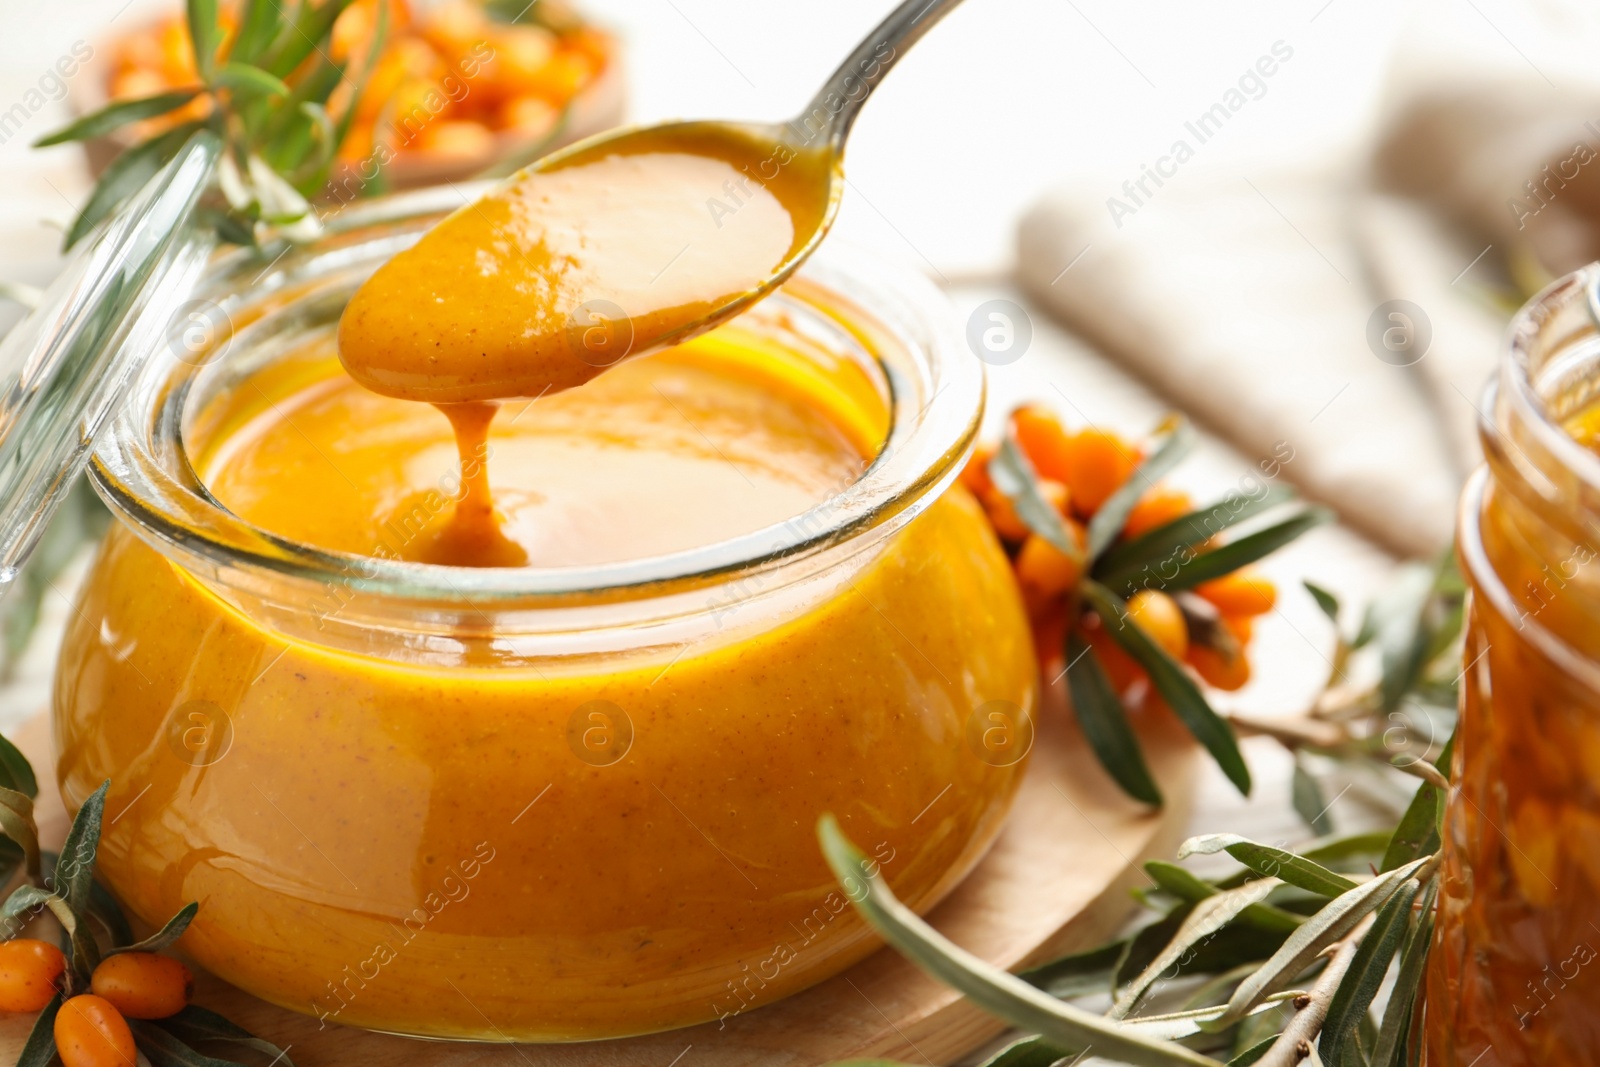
(831, 113)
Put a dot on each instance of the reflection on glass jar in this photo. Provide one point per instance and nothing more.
(1515, 973)
(553, 802)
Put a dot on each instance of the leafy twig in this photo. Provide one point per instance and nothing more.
(1294, 1044)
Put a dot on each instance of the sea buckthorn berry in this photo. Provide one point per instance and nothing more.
(1056, 494)
(462, 138)
(1043, 567)
(531, 116)
(28, 973)
(1244, 592)
(1218, 669)
(1050, 634)
(1003, 517)
(91, 1033)
(1156, 508)
(1159, 616)
(1097, 464)
(559, 79)
(975, 475)
(1240, 626)
(1042, 439)
(143, 985)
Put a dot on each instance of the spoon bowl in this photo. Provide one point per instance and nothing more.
(617, 246)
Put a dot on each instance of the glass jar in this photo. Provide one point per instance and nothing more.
(541, 804)
(1514, 977)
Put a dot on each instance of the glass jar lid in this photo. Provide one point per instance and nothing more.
(66, 366)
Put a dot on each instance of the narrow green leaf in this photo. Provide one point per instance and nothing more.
(246, 79)
(1394, 620)
(1254, 1052)
(10, 859)
(1263, 1026)
(990, 988)
(1179, 881)
(1185, 886)
(16, 822)
(40, 1049)
(1397, 1014)
(1078, 974)
(1146, 943)
(1036, 1052)
(1418, 831)
(206, 33)
(1248, 549)
(1178, 1025)
(1346, 852)
(1013, 475)
(1346, 848)
(1105, 723)
(1208, 917)
(307, 33)
(257, 28)
(116, 115)
(1028, 1052)
(166, 1050)
(125, 176)
(1325, 600)
(1270, 862)
(195, 1024)
(1309, 803)
(15, 770)
(1173, 683)
(26, 899)
(1113, 514)
(75, 868)
(1151, 558)
(165, 936)
(1353, 999)
(1332, 923)
(1446, 628)
(1215, 991)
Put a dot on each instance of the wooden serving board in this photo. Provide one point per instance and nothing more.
(1056, 881)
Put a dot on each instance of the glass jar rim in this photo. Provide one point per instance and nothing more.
(1528, 450)
(934, 386)
(1514, 385)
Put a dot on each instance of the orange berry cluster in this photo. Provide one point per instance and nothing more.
(1077, 472)
(448, 80)
(91, 1029)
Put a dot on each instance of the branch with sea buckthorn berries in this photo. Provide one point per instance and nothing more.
(1137, 593)
(103, 998)
(1143, 600)
(1280, 961)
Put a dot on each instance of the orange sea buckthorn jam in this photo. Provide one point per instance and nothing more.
(1514, 978)
(450, 832)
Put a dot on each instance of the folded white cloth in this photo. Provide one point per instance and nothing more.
(1353, 308)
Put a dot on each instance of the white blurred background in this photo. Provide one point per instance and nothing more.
(1002, 99)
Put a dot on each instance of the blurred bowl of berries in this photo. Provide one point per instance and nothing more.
(449, 90)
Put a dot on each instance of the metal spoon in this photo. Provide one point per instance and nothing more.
(619, 245)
